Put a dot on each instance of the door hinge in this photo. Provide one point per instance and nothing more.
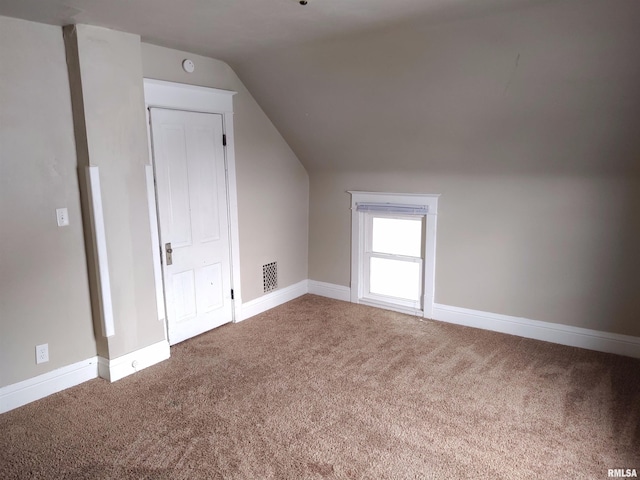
(232, 294)
(224, 140)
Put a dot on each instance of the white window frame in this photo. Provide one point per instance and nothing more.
(360, 251)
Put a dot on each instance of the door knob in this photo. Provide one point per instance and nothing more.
(169, 252)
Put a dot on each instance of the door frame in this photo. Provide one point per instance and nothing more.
(180, 96)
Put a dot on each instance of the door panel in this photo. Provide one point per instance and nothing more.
(209, 218)
(178, 221)
(193, 215)
(184, 295)
(210, 280)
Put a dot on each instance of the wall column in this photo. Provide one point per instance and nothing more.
(105, 74)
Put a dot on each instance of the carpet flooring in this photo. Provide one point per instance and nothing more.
(318, 388)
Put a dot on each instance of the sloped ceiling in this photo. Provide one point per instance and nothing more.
(507, 86)
(224, 29)
(550, 88)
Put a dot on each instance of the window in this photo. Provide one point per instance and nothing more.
(393, 251)
(393, 259)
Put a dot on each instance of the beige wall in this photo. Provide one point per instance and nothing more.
(560, 249)
(524, 120)
(106, 79)
(44, 295)
(273, 187)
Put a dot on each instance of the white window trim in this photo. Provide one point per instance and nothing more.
(178, 96)
(358, 239)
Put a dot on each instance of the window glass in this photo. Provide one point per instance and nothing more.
(397, 236)
(395, 278)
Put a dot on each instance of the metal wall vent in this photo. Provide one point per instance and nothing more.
(270, 276)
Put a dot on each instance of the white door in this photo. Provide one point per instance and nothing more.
(191, 189)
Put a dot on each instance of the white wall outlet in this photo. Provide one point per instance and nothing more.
(62, 215)
(42, 353)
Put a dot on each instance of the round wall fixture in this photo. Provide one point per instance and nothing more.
(188, 65)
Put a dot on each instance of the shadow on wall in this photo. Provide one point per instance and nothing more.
(621, 298)
(576, 258)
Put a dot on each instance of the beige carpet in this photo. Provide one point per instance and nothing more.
(325, 389)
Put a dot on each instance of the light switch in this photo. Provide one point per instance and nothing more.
(63, 217)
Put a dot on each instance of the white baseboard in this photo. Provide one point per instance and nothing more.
(21, 393)
(523, 327)
(549, 332)
(117, 368)
(273, 299)
(329, 290)
(27, 391)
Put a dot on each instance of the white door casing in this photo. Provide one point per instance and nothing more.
(191, 189)
(179, 96)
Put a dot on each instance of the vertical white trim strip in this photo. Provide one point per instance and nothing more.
(100, 245)
(357, 254)
(232, 194)
(155, 242)
(430, 265)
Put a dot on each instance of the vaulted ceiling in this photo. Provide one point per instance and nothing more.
(507, 86)
(226, 29)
